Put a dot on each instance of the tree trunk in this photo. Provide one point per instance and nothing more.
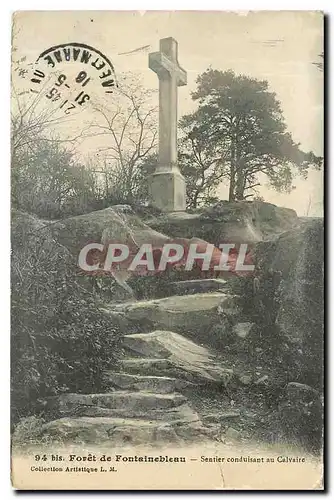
(231, 195)
(240, 174)
(194, 201)
(239, 192)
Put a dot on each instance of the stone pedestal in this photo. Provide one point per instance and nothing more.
(168, 190)
(167, 185)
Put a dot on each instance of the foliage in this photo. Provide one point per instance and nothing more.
(49, 182)
(47, 179)
(27, 431)
(61, 341)
(238, 133)
(128, 126)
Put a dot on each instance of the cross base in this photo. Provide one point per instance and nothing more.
(168, 191)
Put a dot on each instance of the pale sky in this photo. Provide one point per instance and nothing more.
(276, 46)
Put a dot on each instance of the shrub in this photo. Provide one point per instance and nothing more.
(27, 431)
(60, 340)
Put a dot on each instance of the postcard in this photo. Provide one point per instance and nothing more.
(167, 270)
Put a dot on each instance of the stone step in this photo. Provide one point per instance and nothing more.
(153, 367)
(176, 356)
(119, 431)
(130, 401)
(190, 287)
(180, 414)
(193, 315)
(155, 384)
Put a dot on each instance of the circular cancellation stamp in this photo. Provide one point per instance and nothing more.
(69, 74)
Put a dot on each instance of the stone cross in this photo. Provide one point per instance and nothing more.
(167, 185)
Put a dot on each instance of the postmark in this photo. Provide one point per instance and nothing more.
(69, 74)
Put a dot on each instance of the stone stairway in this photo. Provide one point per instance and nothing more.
(146, 401)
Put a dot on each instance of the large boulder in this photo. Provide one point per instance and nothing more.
(302, 294)
(236, 222)
(123, 226)
(296, 257)
(119, 224)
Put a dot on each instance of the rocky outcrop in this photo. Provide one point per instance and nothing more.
(123, 224)
(297, 296)
(171, 345)
(302, 291)
(237, 222)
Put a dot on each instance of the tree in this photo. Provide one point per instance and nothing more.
(47, 180)
(238, 132)
(51, 183)
(203, 167)
(129, 126)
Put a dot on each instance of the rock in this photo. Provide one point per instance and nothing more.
(232, 434)
(245, 379)
(302, 292)
(301, 392)
(182, 414)
(193, 315)
(221, 334)
(166, 434)
(116, 224)
(242, 330)
(219, 416)
(123, 225)
(142, 401)
(301, 414)
(198, 286)
(145, 366)
(196, 362)
(239, 222)
(114, 431)
(194, 433)
(262, 379)
(118, 318)
(294, 303)
(163, 385)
